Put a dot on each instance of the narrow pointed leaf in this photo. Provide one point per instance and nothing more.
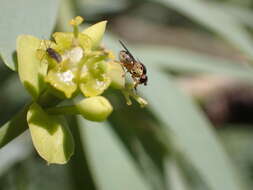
(192, 133)
(215, 19)
(112, 166)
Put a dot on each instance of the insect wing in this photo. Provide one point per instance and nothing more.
(128, 52)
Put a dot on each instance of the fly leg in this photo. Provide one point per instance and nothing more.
(122, 65)
(136, 83)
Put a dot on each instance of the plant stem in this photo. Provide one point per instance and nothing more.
(78, 165)
(71, 110)
(48, 100)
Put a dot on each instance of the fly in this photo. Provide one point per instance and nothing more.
(136, 68)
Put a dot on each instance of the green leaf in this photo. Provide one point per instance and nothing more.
(174, 176)
(216, 19)
(191, 132)
(33, 17)
(14, 127)
(141, 137)
(30, 69)
(112, 165)
(52, 140)
(79, 168)
(242, 13)
(96, 32)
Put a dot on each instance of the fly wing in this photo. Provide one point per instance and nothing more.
(128, 52)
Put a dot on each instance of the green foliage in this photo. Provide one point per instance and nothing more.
(172, 102)
(152, 146)
(105, 168)
(216, 20)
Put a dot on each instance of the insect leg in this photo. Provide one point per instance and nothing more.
(122, 65)
(41, 49)
(136, 82)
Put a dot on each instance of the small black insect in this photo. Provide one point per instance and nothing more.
(137, 69)
(54, 55)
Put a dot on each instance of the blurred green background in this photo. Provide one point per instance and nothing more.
(196, 133)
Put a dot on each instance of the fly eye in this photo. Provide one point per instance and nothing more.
(144, 79)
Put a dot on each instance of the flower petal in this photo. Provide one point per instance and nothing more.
(96, 32)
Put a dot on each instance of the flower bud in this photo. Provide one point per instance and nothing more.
(95, 108)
